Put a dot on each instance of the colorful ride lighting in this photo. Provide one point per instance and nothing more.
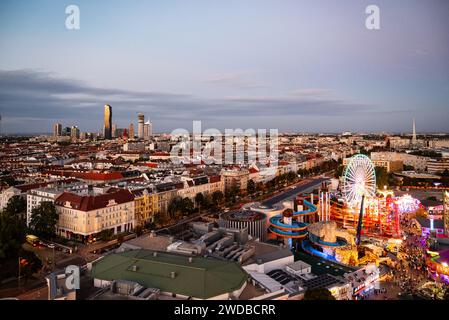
(359, 179)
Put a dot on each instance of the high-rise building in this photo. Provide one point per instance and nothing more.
(131, 131)
(75, 133)
(147, 130)
(67, 131)
(114, 131)
(107, 122)
(140, 125)
(57, 129)
(414, 140)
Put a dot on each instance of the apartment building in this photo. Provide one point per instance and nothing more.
(438, 165)
(203, 184)
(235, 177)
(37, 196)
(143, 206)
(84, 216)
(419, 163)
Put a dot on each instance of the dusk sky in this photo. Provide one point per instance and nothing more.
(305, 66)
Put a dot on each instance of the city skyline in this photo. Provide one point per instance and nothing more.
(237, 65)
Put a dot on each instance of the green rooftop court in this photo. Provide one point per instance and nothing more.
(196, 277)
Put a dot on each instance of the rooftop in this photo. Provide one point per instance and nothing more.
(244, 215)
(201, 278)
(323, 281)
(89, 203)
(321, 266)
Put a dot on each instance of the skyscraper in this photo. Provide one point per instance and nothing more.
(114, 130)
(414, 140)
(67, 131)
(107, 122)
(147, 130)
(75, 133)
(131, 131)
(57, 129)
(140, 125)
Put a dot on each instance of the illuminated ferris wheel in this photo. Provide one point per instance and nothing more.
(359, 179)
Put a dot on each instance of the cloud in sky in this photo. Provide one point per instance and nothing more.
(31, 98)
(239, 80)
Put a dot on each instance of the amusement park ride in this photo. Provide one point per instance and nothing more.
(326, 226)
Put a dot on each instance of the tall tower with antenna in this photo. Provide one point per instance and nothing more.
(414, 140)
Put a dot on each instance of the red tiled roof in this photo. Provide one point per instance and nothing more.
(89, 203)
(98, 176)
(27, 187)
(151, 164)
(161, 153)
(253, 170)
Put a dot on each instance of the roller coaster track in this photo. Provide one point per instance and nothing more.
(298, 230)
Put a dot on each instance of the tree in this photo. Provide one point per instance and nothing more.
(12, 234)
(10, 181)
(207, 201)
(339, 171)
(174, 207)
(186, 206)
(291, 177)
(217, 199)
(251, 187)
(106, 234)
(16, 205)
(363, 151)
(138, 230)
(199, 200)
(44, 219)
(260, 187)
(271, 185)
(180, 206)
(318, 294)
(231, 194)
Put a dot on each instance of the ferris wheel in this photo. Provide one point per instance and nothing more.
(359, 179)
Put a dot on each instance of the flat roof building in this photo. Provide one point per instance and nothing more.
(176, 275)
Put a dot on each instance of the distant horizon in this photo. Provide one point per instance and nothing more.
(280, 132)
